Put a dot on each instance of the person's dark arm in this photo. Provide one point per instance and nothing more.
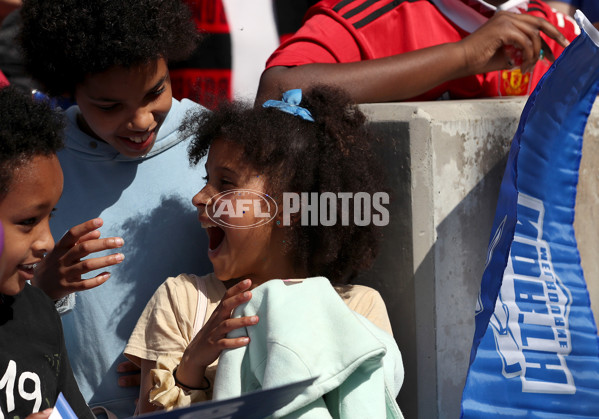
(407, 75)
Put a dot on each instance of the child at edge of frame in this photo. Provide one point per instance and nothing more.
(34, 367)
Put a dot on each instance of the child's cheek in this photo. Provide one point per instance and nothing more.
(243, 214)
(4, 256)
(242, 209)
(2, 269)
(232, 211)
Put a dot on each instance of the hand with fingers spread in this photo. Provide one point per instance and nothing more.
(508, 40)
(59, 273)
(207, 345)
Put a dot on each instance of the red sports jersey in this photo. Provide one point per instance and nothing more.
(345, 31)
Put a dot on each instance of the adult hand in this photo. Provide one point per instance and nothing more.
(491, 47)
(59, 273)
(207, 345)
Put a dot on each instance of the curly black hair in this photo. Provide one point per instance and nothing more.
(64, 41)
(29, 128)
(333, 154)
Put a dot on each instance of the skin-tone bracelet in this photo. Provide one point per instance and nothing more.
(180, 384)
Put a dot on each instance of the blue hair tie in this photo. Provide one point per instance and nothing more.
(290, 104)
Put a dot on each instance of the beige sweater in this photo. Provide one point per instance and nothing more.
(172, 318)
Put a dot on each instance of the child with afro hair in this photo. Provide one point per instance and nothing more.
(34, 367)
(124, 161)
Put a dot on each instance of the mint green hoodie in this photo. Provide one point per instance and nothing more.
(306, 330)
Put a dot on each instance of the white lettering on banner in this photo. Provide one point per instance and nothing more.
(531, 318)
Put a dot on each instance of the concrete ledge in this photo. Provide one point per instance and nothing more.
(445, 161)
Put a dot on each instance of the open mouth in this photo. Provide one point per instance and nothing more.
(28, 269)
(216, 235)
(140, 142)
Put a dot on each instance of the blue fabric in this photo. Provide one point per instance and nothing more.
(147, 201)
(290, 104)
(535, 351)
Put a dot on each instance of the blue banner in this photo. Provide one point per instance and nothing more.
(535, 352)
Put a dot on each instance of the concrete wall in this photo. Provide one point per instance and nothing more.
(445, 161)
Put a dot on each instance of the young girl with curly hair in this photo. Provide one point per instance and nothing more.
(275, 272)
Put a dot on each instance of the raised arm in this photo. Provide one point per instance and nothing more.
(410, 74)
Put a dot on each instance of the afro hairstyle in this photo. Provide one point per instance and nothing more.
(332, 154)
(64, 41)
(29, 128)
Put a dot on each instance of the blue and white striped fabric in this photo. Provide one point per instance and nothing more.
(535, 352)
(62, 409)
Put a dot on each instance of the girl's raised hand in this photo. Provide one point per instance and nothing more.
(59, 273)
(207, 345)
